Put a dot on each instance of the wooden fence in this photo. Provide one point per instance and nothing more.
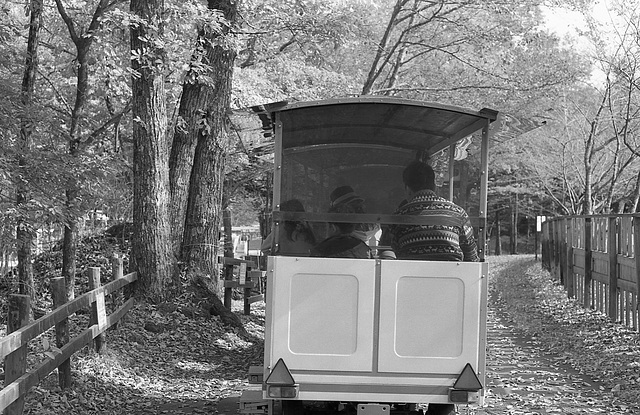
(246, 275)
(14, 346)
(597, 259)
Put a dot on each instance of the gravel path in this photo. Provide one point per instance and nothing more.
(522, 379)
(546, 354)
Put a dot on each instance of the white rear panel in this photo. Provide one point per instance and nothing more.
(429, 316)
(355, 329)
(323, 313)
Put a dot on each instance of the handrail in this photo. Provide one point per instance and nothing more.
(384, 219)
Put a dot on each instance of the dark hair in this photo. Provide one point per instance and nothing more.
(294, 205)
(419, 176)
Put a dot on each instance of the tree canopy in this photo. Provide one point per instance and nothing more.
(567, 141)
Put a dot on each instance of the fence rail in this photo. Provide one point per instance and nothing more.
(597, 259)
(14, 346)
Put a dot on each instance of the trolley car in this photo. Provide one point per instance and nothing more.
(371, 336)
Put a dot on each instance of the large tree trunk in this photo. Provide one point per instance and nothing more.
(183, 149)
(204, 206)
(200, 127)
(153, 253)
(211, 94)
(24, 231)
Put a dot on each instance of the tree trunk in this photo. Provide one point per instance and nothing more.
(212, 95)
(185, 139)
(82, 42)
(636, 195)
(514, 226)
(152, 230)
(24, 232)
(498, 236)
(70, 241)
(382, 52)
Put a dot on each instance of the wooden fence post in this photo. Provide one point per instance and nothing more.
(98, 314)
(228, 290)
(554, 248)
(117, 271)
(569, 277)
(59, 295)
(546, 241)
(613, 268)
(247, 294)
(588, 266)
(15, 364)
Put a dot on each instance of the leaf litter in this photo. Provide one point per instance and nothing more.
(545, 355)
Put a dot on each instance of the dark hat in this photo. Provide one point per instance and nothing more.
(344, 195)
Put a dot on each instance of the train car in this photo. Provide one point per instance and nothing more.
(377, 335)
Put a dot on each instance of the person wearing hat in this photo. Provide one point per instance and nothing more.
(350, 239)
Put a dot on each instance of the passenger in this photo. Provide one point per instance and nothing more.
(350, 239)
(450, 241)
(297, 238)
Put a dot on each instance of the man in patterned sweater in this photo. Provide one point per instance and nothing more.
(450, 240)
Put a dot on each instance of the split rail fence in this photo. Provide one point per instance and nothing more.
(15, 345)
(597, 260)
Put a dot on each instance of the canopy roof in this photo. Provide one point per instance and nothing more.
(371, 121)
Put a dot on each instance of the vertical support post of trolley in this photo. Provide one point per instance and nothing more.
(484, 183)
(482, 232)
(277, 183)
(452, 159)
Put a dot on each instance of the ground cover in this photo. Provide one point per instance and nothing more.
(169, 359)
(550, 355)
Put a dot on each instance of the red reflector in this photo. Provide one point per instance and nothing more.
(458, 396)
(274, 391)
(282, 391)
(468, 380)
(288, 392)
(462, 396)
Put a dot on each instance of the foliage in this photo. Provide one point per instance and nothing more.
(490, 54)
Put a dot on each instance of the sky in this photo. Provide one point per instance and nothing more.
(567, 23)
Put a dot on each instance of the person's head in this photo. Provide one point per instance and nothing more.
(419, 176)
(292, 205)
(345, 200)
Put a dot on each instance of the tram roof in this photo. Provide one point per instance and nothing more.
(387, 121)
